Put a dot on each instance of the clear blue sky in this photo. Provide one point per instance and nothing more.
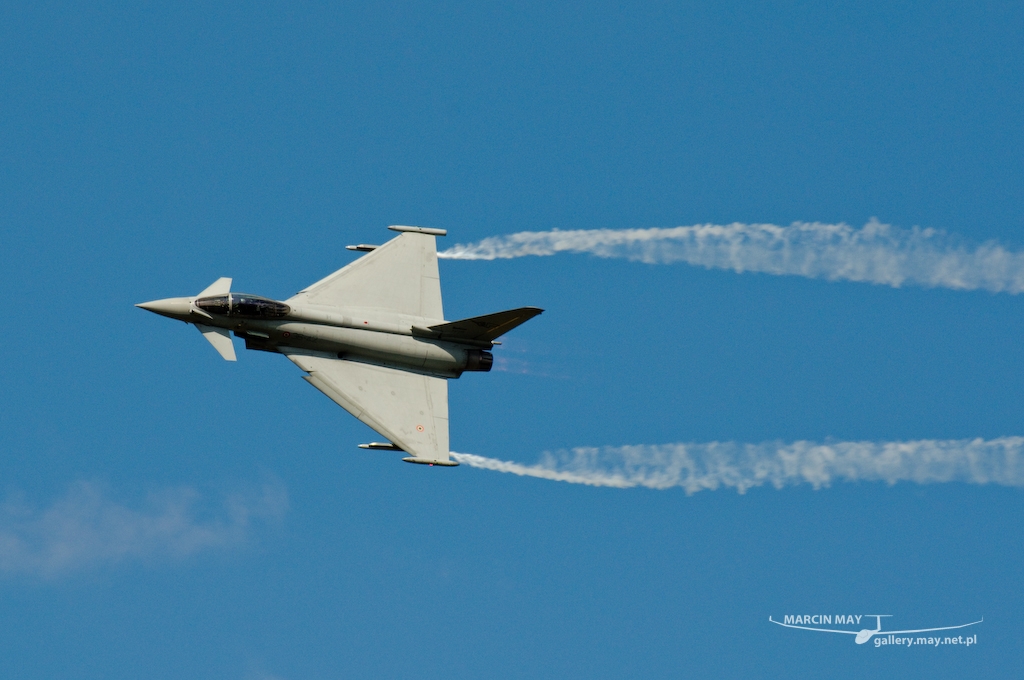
(147, 149)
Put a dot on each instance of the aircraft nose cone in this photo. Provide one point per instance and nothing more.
(175, 308)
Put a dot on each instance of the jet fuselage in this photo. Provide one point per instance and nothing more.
(348, 333)
(371, 336)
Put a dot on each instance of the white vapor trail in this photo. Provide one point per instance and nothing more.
(696, 467)
(85, 528)
(875, 253)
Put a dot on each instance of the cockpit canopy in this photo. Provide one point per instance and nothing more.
(243, 306)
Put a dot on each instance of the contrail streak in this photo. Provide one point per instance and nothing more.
(875, 253)
(695, 467)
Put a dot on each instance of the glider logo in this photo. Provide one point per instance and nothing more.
(882, 637)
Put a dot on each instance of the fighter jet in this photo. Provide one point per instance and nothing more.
(371, 336)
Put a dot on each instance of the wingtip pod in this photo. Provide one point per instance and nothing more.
(419, 230)
(427, 461)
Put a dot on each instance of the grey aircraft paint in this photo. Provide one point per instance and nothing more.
(371, 336)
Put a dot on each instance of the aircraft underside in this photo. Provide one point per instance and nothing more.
(371, 336)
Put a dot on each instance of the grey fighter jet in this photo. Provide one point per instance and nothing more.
(371, 336)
